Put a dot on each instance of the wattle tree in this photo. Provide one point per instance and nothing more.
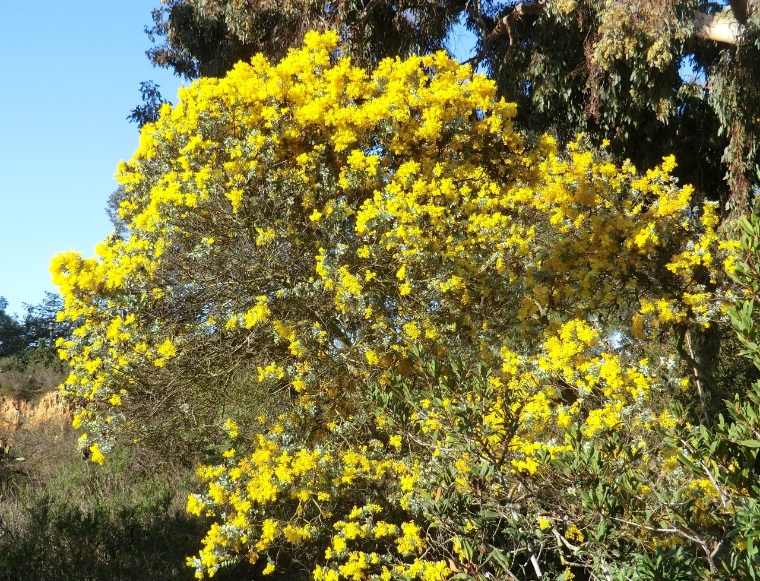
(423, 344)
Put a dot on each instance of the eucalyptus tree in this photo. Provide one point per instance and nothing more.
(653, 78)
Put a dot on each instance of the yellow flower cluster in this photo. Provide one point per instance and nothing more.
(251, 491)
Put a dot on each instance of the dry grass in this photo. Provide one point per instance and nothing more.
(64, 518)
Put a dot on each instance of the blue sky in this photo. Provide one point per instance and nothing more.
(71, 74)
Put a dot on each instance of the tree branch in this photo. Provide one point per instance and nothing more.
(713, 27)
(740, 10)
(504, 26)
(716, 27)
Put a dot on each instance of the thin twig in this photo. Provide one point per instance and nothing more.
(536, 568)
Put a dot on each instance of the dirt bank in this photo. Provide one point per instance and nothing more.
(48, 413)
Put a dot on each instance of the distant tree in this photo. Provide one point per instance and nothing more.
(38, 325)
(11, 332)
(40, 320)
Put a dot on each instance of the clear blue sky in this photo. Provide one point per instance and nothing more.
(70, 73)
